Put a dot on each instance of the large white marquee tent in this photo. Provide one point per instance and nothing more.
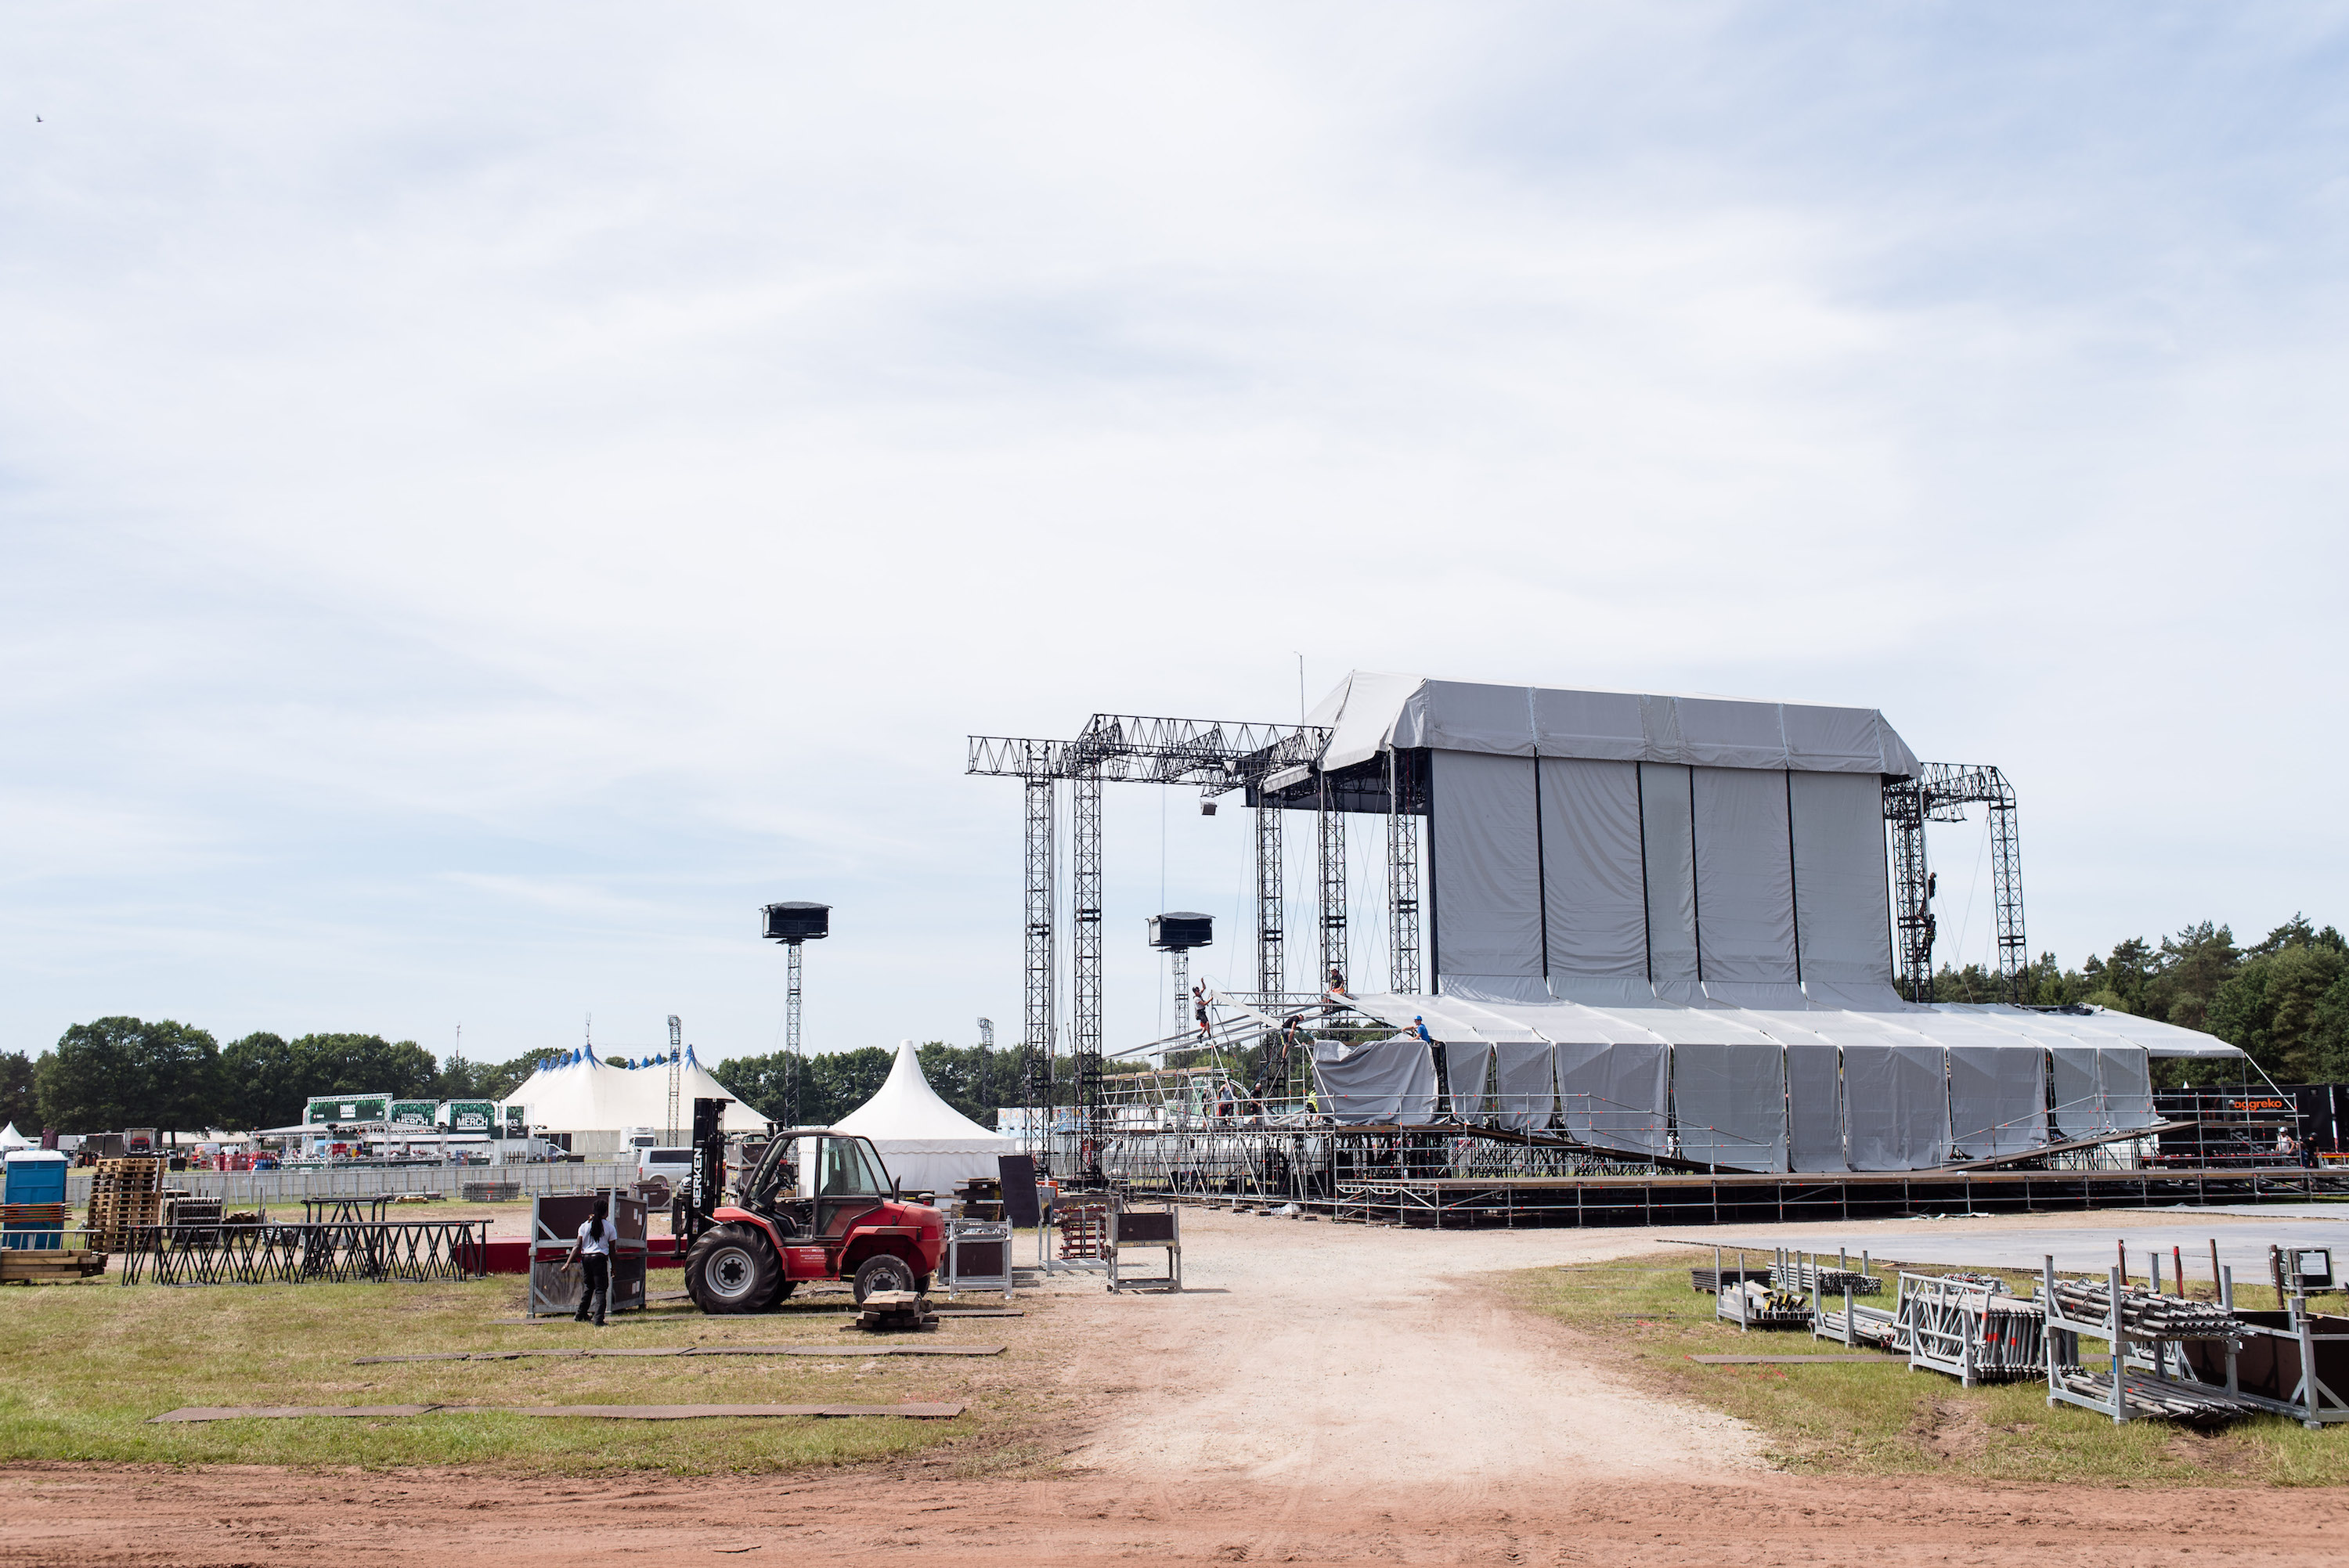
(576, 1093)
(927, 1144)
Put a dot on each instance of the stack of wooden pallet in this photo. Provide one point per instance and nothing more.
(124, 1193)
(24, 1266)
(885, 1311)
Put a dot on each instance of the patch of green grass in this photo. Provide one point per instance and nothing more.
(1883, 1419)
(83, 1367)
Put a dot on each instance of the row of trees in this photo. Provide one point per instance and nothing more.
(130, 1072)
(2284, 999)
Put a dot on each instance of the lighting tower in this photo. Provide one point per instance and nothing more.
(792, 924)
(1175, 934)
(675, 1073)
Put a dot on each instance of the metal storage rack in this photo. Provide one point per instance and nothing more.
(1148, 1228)
(1975, 1330)
(2148, 1375)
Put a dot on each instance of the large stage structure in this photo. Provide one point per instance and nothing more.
(1628, 933)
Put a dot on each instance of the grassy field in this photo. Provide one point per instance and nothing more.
(82, 1367)
(1883, 1419)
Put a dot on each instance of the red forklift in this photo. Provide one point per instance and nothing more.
(817, 1204)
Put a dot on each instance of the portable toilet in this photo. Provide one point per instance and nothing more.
(33, 1202)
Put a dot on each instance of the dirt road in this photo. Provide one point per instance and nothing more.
(1320, 1394)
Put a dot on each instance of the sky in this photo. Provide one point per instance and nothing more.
(492, 496)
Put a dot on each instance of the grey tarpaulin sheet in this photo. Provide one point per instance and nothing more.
(1465, 1064)
(1488, 865)
(1591, 883)
(1729, 1104)
(1378, 1081)
(1744, 877)
(1895, 1107)
(2079, 1102)
(1839, 891)
(1814, 1108)
(2127, 1084)
(1527, 1079)
(1998, 1100)
(1612, 1097)
(1370, 711)
(1671, 873)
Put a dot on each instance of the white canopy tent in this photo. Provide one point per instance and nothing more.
(576, 1093)
(12, 1139)
(927, 1144)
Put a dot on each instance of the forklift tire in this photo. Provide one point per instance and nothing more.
(883, 1270)
(731, 1269)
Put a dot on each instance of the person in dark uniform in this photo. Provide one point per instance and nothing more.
(593, 1252)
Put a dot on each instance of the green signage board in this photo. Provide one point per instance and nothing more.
(473, 1115)
(415, 1113)
(335, 1110)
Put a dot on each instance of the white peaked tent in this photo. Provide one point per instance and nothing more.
(574, 1092)
(12, 1139)
(927, 1144)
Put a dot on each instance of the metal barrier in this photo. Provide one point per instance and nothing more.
(339, 1253)
(254, 1189)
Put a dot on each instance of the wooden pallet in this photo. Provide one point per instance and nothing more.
(20, 1265)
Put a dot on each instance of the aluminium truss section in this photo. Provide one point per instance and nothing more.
(1940, 792)
(1329, 844)
(337, 1253)
(1036, 1039)
(1404, 805)
(1271, 978)
(1085, 977)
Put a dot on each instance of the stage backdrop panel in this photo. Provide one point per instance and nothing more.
(1465, 1064)
(1487, 865)
(1840, 899)
(1814, 1108)
(1377, 1082)
(1612, 1097)
(2127, 1082)
(1670, 874)
(1592, 885)
(1729, 1104)
(1896, 1107)
(1998, 1100)
(1526, 1077)
(1744, 877)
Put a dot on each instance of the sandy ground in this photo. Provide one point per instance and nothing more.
(1320, 1394)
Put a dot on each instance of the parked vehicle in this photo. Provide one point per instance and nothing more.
(819, 1204)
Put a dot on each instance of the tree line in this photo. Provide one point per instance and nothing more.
(2285, 1000)
(130, 1072)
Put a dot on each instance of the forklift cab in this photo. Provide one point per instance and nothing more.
(818, 1185)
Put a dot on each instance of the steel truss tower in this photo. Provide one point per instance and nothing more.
(1941, 793)
(1085, 941)
(1331, 845)
(1036, 1038)
(1271, 977)
(1402, 881)
(791, 1038)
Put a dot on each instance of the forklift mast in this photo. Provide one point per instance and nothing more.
(701, 1195)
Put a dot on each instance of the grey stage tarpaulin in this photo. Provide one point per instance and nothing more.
(1378, 1081)
(1485, 850)
(1729, 1103)
(1839, 891)
(1595, 911)
(1526, 1077)
(1465, 1063)
(2079, 1102)
(1670, 874)
(1998, 1100)
(1745, 876)
(2127, 1082)
(1612, 1097)
(1814, 1108)
(1896, 1107)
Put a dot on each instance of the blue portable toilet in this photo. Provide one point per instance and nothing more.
(36, 1177)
